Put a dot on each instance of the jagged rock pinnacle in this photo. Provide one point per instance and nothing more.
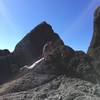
(95, 43)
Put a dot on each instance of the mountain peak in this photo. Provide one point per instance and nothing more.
(57, 72)
(44, 26)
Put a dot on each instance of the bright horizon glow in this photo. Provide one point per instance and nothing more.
(72, 20)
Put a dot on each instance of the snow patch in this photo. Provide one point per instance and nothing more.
(34, 64)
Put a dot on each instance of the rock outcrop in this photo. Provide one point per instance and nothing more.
(4, 52)
(94, 49)
(27, 51)
(60, 88)
(62, 74)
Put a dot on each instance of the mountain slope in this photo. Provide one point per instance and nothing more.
(61, 88)
(27, 51)
(62, 74)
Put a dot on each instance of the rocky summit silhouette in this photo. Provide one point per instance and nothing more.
(27, 51)
(42, 67)
(95, 43)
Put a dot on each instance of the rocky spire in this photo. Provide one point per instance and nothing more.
(95, 43)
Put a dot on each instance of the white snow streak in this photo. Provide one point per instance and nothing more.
(34, 64)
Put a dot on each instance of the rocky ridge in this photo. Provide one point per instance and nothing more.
(27, 51)
(64, 74)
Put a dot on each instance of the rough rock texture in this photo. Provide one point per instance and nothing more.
(28, 50)
(77, 66)
(30, 47)
(61, 88)
(63, 74)
(94, 49)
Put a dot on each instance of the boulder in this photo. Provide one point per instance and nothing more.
(60, 88)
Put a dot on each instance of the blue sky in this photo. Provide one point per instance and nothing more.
(72, 19)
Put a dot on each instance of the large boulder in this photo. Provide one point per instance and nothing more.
(8, 68)
(63, 60)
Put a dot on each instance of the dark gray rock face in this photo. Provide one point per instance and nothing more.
(4, 52)
(30, 47)
(94, 49)
(73, 64)
(28, 50)
(62, 74)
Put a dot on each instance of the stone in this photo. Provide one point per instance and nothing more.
(4, 52)
(60, 88)
(27, 51)
(62, 74)
(94, 47)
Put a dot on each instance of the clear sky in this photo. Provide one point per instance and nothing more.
(72, 19)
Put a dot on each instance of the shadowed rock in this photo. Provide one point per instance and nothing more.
(62, 74)
(4, 52)
(58, 60)
(27, 51)
(94, 48)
